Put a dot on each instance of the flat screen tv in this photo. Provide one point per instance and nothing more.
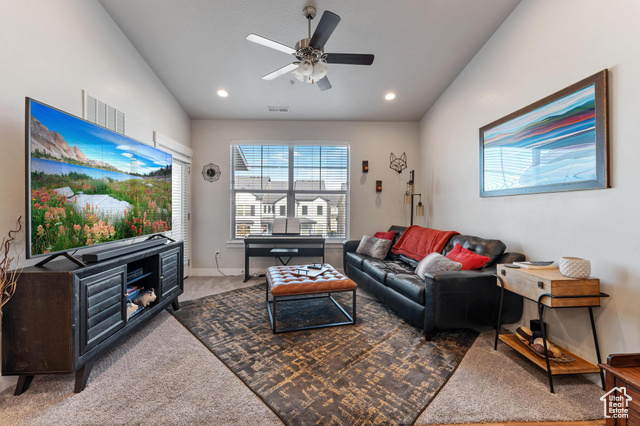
(87, 185)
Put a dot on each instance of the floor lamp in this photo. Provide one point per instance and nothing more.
(409, 196)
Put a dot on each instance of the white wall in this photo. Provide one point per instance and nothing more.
(370, 211)
(541, 48)
(51, 51)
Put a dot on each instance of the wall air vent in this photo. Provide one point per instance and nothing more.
(278, 108)
(102, 114)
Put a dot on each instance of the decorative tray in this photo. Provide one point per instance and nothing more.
(564, 358)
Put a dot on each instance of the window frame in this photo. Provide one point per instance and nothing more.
(290, 193)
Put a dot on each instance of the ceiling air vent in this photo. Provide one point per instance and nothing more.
(278, 108)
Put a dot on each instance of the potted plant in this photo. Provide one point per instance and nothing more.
(8, 276)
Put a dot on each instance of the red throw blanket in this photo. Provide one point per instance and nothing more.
(416, 242)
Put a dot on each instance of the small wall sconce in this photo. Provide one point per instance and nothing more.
(365, 166)
(378, 186)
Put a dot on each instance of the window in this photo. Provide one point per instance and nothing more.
(180, 216)
(293, 181)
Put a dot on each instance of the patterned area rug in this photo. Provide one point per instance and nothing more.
(379, 371)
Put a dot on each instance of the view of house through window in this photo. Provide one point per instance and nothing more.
(308, 182)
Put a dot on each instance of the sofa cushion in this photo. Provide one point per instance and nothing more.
(356, 259)
(398, 267)
(409, 285)
(411, 262)
(398, 230)
(493, 249)
(376, 269)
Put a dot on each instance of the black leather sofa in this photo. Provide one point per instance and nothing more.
(448, 300)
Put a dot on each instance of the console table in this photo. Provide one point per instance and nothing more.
(550, 289)
(62, 317)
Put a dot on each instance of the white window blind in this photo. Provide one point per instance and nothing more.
(310, 182)
(181, 229)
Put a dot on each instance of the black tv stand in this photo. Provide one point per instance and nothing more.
(65, 254)
(61, 318)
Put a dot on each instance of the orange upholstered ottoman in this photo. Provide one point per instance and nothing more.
(285, 286)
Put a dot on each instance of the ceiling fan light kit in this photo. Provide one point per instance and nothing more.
(309, 66)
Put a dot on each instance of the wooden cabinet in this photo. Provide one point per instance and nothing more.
(63, 317)
(623, 383)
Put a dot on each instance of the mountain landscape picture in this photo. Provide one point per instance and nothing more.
(90, 185)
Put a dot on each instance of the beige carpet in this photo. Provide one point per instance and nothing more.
(163, 375)
(503, 386)
(159, 375)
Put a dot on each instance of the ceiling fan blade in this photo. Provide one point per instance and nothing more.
(350, 58)
(323, 84)
(270, 43)
(325, 28)
(280, 71)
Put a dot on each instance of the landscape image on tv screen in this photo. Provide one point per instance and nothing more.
(90, 185)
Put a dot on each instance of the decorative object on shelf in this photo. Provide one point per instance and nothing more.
(8, 277)
(378, 186)
(365, 166)
(309, 66)
(398, 163)
(559, 143)
(409, 195)
(211, 172)
(146, 298)
(575, 267)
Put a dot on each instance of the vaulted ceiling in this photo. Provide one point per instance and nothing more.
(197, 47)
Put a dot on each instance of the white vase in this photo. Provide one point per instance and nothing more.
(575, 267)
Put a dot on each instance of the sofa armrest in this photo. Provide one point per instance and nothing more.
(348, 246)
(510, 257)
(462, 299)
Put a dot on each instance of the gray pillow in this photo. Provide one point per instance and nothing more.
(435, 262)
(374, 247)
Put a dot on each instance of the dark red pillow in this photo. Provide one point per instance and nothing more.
(469, 259)
(385, 235)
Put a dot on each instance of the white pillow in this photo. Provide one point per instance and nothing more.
(434, 263)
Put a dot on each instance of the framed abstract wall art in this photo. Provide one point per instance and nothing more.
(559, 143)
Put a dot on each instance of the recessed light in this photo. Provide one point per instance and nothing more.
(390, 96)
(223, 93)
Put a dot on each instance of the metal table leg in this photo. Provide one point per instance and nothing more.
(498, 325)
(544, 341)
(595, 341)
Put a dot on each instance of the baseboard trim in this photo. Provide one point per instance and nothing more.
(212, 272)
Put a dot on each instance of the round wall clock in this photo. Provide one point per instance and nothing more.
(211, 172)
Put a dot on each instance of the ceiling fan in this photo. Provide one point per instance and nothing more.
(309, 52)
